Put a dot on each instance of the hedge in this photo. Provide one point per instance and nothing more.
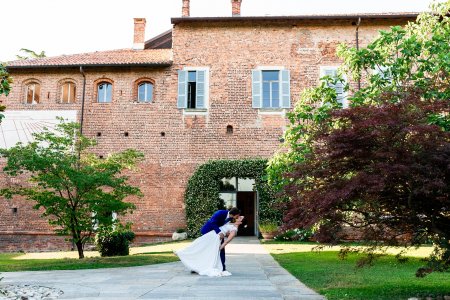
(202, 192)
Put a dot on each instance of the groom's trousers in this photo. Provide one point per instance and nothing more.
(222, 256)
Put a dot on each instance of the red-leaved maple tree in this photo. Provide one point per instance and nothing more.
(383, 169)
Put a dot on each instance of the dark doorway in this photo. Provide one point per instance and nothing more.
(246, 203)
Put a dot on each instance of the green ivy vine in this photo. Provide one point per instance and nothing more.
(202, 192)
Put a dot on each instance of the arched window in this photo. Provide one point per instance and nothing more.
(104, 92)
(68, 90)
(33, 93)
(145, 92)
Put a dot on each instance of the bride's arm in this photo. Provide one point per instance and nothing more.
(229, 238)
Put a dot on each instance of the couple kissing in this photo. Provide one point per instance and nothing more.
(206, 255)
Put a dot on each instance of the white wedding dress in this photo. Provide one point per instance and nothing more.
(203, 255)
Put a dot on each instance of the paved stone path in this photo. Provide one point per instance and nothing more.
(256, 275)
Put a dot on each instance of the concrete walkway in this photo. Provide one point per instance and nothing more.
(256, 275)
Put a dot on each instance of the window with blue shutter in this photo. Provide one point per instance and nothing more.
(285, 89)
(256, 89)
(200, 93)
(182, 88)
(384, 73)
(192, 89)
(271, 89)
(341, 95)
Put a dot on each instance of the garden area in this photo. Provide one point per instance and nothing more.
(323, 271)
(336, 277)
(368, 158)
(14, 262)
(68, 260)
(388, 278)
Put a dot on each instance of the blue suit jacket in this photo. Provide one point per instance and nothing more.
(219, 218)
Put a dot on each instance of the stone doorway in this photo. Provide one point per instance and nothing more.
(246, 203)
(240, 192)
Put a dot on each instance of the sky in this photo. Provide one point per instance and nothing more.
(66, 27)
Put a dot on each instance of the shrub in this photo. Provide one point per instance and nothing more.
(304, 235)
(114, 240)
(268, 227)
(297, 234)
(180, 230)
(288, 235)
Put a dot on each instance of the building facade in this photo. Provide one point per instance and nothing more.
(210, 88)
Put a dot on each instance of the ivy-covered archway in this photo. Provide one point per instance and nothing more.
(203, 189)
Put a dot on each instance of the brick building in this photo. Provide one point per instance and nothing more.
(210, 88)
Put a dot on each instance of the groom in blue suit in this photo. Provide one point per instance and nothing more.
(220, 218)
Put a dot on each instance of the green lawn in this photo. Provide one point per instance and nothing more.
(340, 279)
(7, 263)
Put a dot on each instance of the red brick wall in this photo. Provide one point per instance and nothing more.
(32, 242)
(231, 51)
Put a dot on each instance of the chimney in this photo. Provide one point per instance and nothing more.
(186, 7)
(139, 34)
(236, 7)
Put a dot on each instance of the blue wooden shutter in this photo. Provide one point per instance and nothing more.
(200, 101)
(182, 89)
(257, 88)
(330, 72)
(338, 87)
(285, 91)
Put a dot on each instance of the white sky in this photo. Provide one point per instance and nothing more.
(67, 27)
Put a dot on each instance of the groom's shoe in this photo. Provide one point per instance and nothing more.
(193, 272)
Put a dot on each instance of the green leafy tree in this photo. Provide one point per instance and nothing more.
(5, 86)
(30, 54)
(310, 113)
(76, 190)
(416, 56)
(400, 63)
(5, 81)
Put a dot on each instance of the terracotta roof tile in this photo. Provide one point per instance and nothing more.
(122, 57)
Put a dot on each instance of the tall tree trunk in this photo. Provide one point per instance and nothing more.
(80, 249)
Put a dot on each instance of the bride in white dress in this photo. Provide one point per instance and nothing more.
(203, 255)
